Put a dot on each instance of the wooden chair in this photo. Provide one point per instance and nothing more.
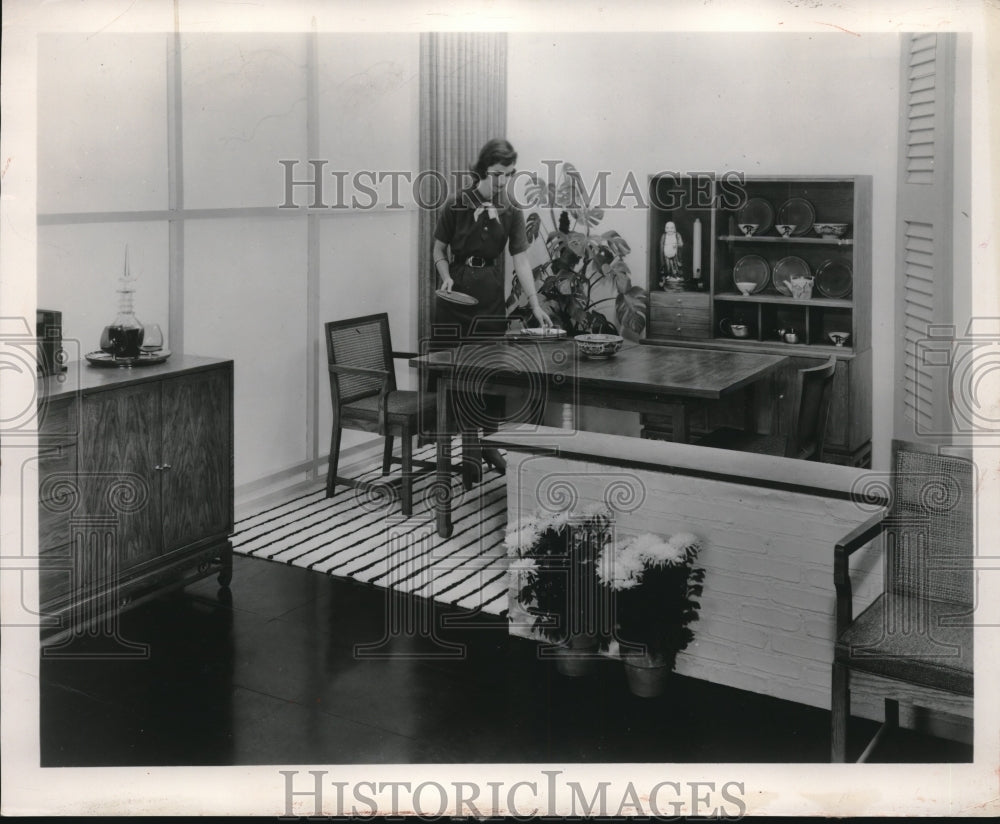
(811, 405)
(914, 642)
(364, 396)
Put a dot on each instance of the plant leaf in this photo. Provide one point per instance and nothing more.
(620, 273)
(616, 242)
(630, 309)
(532, 226)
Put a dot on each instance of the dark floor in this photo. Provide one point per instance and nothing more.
(275, 678)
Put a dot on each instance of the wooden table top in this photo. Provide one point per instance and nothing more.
(695, 373)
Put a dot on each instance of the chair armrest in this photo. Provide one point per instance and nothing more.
(842, 551)
(406, 355)
(861, 534)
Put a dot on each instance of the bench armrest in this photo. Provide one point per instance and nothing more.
(842, 551)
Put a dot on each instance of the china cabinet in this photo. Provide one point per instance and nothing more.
(789, 271)
(135, 485)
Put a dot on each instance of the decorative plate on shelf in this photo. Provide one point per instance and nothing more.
(786, 269)
(751, 269)
(756, 211)
(835, 278)
(99, 358)
(797, 212)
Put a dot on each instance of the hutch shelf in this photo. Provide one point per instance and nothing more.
(830, 316)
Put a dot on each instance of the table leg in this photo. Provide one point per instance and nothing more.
(444, 526)
(679, 423)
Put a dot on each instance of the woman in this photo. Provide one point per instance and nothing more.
(477, 225)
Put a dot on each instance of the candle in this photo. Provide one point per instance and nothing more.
(696, 241)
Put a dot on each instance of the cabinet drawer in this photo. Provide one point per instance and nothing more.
(678, 300)
(680, 327)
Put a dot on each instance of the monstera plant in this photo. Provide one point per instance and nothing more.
(586, 268)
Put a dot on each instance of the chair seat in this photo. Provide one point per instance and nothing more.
(400, 405)
(902, 637)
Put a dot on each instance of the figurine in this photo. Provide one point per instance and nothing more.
(671, 271)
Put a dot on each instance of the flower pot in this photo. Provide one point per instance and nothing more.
(647, 674)
(577, 655)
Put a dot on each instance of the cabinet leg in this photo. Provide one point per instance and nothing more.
(226, 560)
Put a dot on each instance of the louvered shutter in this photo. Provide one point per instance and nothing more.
(925, 183)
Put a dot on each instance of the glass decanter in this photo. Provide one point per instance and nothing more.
(123, 338)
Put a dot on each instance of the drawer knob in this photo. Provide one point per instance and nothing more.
(161, 467)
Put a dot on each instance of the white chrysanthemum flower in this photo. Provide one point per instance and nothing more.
(686, 542)
(524, 565)
(522, 536)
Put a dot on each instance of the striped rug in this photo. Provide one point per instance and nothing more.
(366, 538)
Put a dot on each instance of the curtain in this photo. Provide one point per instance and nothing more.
(463, 103)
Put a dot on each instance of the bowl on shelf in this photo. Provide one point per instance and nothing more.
(746, 287)
(598, 346)
(785, 229)
(830, 231)
(749, 228)
(839, 338)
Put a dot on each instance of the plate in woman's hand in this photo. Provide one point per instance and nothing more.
(456, 297)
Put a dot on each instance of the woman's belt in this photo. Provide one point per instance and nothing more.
(477, 262)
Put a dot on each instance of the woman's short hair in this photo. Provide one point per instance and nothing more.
(496, 150)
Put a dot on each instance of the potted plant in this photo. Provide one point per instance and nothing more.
(554, 559)
(585, 269)
(654, 586)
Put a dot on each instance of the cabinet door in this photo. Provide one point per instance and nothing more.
(197, 448)
(117, 453)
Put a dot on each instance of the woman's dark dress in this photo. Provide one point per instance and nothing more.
(483, 236)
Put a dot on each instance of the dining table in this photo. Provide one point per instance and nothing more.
(639, 378)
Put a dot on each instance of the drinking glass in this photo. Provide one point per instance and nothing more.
(152, 338)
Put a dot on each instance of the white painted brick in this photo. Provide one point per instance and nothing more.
(805, 599)
(767, 568)
(783, 666)
(819, 627)
(720, 651)
(804, 648)
(734, 585)
(732, 631)
(818, 675)
(715, 605)
(819, 577)
(771, 617)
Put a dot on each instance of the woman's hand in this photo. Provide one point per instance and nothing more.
(541, 315)
(447, 283)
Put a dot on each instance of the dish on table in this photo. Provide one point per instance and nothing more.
(536, 333)
(751, 269)
(456, 297)
(598, 346)
(756, 211)
(786, 269)
(834, 278)
(797, 212)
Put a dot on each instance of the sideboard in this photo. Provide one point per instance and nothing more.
(135, 486)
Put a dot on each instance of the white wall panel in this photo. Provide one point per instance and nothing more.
(102, 122)
(245, 299)
(244, 109)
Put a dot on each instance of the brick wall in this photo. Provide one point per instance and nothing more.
(767, 616)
